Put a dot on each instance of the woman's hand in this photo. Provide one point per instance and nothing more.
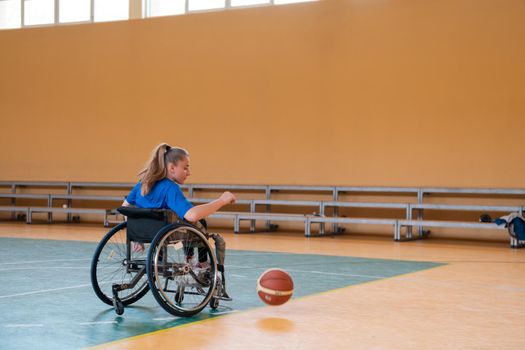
(227, 198)
(137, 247)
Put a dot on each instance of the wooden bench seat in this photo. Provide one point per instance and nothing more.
(51, 211)
(14, 209)
(462, 207)
(451, 224)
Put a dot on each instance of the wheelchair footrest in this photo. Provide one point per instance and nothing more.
(223, 298)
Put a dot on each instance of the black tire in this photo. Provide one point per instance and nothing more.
(168, 270)
(119, 307)
(112, 250)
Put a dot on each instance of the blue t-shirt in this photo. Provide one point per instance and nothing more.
(165, 194)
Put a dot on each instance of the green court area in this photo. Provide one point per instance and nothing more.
(46, 299)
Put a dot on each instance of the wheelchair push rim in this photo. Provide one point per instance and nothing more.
(171, 272)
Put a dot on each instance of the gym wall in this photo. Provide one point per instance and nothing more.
(386, 93)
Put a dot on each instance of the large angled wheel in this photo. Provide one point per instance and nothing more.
(114, 263)
(181, 285)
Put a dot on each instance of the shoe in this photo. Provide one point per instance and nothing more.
(225, 295)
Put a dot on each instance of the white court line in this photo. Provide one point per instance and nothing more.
(308, 271)
(54, 289)
(23, 325)
(338, 274)
(45, 268)
(251, 254)
(59, 267)
(43, 291)
(41, 261)
(246, 267)
(98, 322)
(234, 275)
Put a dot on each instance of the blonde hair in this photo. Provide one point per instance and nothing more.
(156, 168)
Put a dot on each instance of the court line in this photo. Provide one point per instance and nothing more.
(43, 291)
(41, 261)
(55, 289)
(51, 290)
(308, 271)
(338, 274)
(97, 322)
(23, 325)
(45, 268)
(250, 254)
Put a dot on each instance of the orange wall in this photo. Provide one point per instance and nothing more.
(400, 92)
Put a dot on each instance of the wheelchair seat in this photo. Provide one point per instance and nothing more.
(145, 223)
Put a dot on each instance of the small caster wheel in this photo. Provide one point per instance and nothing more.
(179, 295)
(119, 307)
(214, 303)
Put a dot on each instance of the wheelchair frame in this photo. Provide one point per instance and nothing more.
(181, 285)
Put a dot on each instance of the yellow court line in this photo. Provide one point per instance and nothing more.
(256, 308)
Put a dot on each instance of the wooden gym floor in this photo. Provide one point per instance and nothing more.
(473, 299)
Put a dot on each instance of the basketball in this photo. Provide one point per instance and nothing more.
(275, 287)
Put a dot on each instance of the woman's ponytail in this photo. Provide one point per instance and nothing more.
(156, 168)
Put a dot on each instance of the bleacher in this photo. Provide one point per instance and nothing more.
(258, 203)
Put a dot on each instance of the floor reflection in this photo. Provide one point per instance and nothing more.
(275, 324)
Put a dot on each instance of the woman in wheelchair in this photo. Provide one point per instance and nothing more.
(159, 214)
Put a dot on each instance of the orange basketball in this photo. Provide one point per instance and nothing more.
(275, 287)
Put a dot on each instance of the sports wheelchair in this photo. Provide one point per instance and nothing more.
(182, 282)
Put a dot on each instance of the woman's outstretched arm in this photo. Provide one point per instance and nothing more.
(201, 211)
